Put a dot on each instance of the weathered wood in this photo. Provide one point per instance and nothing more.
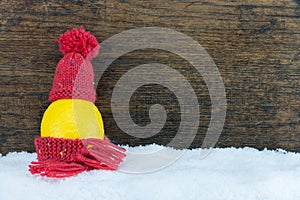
(255, 44)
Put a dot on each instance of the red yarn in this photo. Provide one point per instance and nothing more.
(59, 157)
(74, 79)
(79, 41)
(74, 75)
(56, 169)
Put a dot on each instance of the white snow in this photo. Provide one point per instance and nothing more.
(229, 174)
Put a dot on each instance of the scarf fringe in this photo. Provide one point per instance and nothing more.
(96, 154)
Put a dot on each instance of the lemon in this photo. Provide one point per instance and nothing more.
(72, 119)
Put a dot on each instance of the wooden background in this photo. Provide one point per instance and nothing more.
(254, 43)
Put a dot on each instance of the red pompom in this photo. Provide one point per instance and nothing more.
(79, 41)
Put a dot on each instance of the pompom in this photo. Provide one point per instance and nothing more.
(79, 41)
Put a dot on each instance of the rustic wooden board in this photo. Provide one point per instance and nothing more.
(254, 43)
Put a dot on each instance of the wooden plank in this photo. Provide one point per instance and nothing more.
(255, 45)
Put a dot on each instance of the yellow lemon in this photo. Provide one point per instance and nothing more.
(72, 119)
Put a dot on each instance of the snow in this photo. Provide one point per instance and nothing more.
(229, 173)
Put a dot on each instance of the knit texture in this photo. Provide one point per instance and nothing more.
(59, 157)
(74, 73)
(73, 79)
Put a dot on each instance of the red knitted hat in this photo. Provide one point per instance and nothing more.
(74, 74)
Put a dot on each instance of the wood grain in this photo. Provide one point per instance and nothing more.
(254, 43)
